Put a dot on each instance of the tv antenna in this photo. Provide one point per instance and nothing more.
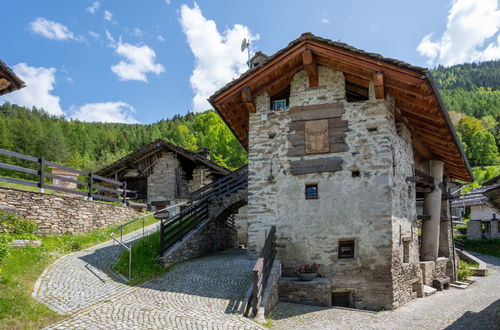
(245, 44)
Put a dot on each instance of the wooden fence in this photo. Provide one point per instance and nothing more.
(90, 187)
(262, 269)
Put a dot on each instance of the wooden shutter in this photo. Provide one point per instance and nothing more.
(316, 136)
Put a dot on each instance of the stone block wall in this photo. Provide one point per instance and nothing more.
(474, 230)
(58, 214)
(241, 222)
(161, 182)
(357, 199)
(317, 292)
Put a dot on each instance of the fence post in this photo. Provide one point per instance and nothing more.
(41, 173)
(90, 185)
(124, 187)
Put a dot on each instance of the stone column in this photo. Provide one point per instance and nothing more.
(432, 207)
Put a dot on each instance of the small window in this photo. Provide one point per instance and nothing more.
(341, 299)
(311, 191)
(354, 93)
(346, 249)
(281, 100)
(406, 251)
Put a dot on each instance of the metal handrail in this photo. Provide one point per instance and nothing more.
(142, 217)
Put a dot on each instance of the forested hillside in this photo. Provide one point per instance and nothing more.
(90, 146)
(470, 89)
(473, 89)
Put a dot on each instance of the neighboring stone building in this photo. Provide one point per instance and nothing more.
(163, 174)
(484, 216)
(341, 143)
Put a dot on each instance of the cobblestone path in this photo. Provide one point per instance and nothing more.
(198, 294)
(83, 278)
(477, 307)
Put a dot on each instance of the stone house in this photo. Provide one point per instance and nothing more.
(341, 144)
(162, 173)
(484, 210)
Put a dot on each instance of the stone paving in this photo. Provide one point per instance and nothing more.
(83, 278)
(477, 307)
(201, 293)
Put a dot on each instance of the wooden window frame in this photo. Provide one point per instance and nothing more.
(312, 185)
(347, 243)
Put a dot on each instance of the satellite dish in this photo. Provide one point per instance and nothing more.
(244, 44)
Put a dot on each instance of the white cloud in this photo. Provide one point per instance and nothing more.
(137, 32)
(106, 112)
(51, 29)
(94, 7)
(218, 55)
(168, 2)
(94, 34)
(469, 36)
(39, 85)
(160, 38)
(112, 42)
(139, 60)
(108, 16)
(325, 20)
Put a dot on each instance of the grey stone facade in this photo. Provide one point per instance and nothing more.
(366, 200)
(56, 214)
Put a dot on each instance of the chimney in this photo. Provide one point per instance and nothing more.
(204, 153)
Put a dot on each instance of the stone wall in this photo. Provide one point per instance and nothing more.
(317, 292)
(58, 214)
(161, 182)
(356, 200)
(474, 230)
(241, 223)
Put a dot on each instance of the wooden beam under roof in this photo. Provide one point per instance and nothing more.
(311, 67)
(248, 103)
(378, 84)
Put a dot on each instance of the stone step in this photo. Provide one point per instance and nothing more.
(459, 285)
(429, 291)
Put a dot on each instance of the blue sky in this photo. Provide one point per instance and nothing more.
(141, 61)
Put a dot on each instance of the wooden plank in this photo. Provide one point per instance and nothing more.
(18, 155)
(62, 178)
(378, 83)
(331, 164)
(248, 102)
(18, 181)
(316, 137)
(320, 111)
(101, 178)
(301, 151)
(311, 67)
(298, 138)
(66, 168)
(67, 190)
(18, 168)
(361, 81)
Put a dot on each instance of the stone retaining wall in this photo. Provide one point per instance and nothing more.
(59, 214)
(317, 292)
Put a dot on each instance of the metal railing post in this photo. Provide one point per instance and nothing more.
(130, 264)
(124, 193)
(41, 173)
(90, 185)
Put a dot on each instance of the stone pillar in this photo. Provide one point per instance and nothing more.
(432, 207)
(445, 234)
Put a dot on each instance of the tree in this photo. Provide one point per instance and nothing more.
(483, 150)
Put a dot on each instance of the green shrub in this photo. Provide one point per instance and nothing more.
(12, 224)
(484, 246)
(4, 246)
(464, 270)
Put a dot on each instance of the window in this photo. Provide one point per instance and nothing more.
(346, 249)
(355, 92)
(341, 299)
(281, 100)
(406, 251)
(312, 191)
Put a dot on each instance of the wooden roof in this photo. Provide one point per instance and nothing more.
(9, 82)
(413, 89)
(153, 148)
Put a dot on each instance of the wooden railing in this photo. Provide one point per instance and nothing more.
(262, 269)
(89, 188)
(224, 186)
(175, 228)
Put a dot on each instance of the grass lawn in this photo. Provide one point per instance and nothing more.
(22, 267)
(18, 186)
(144, 254)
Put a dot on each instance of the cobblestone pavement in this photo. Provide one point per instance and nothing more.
(477, 307)
(198, 294)
(83, 278)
